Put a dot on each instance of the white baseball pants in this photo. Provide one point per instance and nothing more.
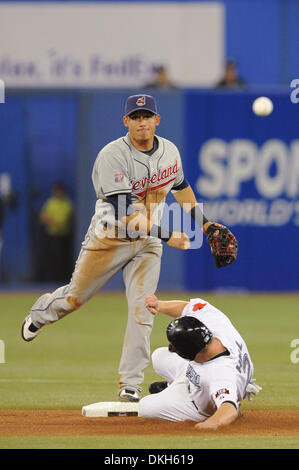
(173, 403)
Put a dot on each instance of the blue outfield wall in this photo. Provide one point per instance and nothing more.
(244, 168)
(38, 134)
(15, 254)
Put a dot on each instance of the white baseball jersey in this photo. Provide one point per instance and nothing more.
(195, 389)
(121, 168)
(224, 378)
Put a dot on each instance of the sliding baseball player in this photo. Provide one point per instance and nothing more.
(207, 366)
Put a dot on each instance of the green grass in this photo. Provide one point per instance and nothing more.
(148, 442)
(75, 361)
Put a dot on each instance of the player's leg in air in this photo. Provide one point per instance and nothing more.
(99, 260)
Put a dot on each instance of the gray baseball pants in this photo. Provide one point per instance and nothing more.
(99, 260)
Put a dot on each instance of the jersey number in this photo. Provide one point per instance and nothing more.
(243, 365)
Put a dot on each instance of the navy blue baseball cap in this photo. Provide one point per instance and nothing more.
(140, 102)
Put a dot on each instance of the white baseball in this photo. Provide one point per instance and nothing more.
(262, 106)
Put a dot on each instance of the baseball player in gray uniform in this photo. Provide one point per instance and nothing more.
(131, 176)
(207, 366)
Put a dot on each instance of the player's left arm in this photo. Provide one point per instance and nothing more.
(226, 414)
(187, 200)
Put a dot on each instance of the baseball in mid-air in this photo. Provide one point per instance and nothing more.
(262, 106)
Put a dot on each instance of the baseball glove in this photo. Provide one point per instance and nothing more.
(223, 244)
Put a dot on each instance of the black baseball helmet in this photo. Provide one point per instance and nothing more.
(187, 336)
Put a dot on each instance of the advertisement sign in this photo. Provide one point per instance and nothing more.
(245, 169)
(110, 44)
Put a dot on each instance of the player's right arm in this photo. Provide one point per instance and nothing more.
(140, 222)
(173, 308)
(222, 388)
(225, 414)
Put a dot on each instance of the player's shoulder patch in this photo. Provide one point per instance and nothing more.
(198, 306)
(193, 306)
(223, 395)
(222, 391)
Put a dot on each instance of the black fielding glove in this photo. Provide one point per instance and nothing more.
(223, 244)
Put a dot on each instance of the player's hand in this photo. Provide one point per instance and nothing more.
(179, 240)
(152, 304)
(206, 426)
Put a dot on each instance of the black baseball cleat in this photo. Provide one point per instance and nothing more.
(157, 387)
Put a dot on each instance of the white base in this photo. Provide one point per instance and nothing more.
(110, 408)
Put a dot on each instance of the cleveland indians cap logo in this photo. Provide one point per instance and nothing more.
(141, 101)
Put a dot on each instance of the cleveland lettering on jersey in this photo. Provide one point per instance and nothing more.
(156, 177)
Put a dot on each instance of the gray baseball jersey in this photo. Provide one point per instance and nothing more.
(120, 168)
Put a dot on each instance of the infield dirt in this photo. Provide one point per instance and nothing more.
(72, 423)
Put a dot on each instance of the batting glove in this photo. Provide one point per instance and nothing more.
(252, 389)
